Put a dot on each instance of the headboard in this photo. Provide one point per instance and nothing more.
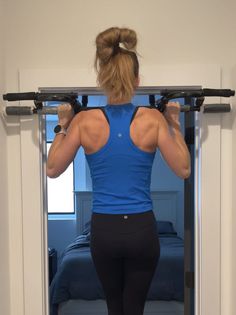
(165, 208)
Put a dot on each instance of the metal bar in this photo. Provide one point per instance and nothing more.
(52, 110)
(70, 95)
(142, 90)
(189, 120)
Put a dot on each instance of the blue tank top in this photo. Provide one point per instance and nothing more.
(120, 171)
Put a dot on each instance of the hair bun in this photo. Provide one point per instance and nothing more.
(128, 38)
(108, 41)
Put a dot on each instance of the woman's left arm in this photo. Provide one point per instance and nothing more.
(64, 147)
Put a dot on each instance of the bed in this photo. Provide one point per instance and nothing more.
(76, 279)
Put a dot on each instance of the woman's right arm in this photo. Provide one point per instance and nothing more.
(171, 142)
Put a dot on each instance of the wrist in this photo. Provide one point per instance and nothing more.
(64, 122)
(175, 125)
(59, 129)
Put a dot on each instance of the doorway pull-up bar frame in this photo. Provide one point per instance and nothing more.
(167, 94)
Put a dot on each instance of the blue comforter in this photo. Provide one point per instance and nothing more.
(76, 277)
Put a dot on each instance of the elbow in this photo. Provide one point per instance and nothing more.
(185, 169)
(185, 173)
(53, 169)
(52, 173)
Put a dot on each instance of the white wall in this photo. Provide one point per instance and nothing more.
(4, 243)
(60, 34)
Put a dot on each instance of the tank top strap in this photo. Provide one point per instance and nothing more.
(120, 118)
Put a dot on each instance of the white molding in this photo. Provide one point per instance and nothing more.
(232, 231)
(207, 239)
(210, 214)
(33, 219)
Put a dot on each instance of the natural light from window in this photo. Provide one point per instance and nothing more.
(60, 191)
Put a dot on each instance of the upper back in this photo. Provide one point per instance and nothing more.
(95, 129)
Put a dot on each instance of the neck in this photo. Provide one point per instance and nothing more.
(117, 102)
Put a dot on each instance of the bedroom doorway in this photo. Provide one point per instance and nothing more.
(172, 290)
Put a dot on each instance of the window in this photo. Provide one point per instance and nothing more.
(60, 191)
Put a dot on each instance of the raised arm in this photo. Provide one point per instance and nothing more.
(64, 147)
(171, 142)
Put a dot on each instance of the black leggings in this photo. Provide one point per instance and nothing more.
(125, 250)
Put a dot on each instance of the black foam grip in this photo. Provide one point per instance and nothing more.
(217, 108)
(19, 96)
(48, 110)
(57, 97)
(218, 92)
(18, 110)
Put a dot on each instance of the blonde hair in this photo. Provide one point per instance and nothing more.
(117, 67)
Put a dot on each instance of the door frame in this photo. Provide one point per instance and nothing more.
(33, 250)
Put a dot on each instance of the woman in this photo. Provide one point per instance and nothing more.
(120, 142)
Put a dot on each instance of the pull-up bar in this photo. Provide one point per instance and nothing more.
(197, 95)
